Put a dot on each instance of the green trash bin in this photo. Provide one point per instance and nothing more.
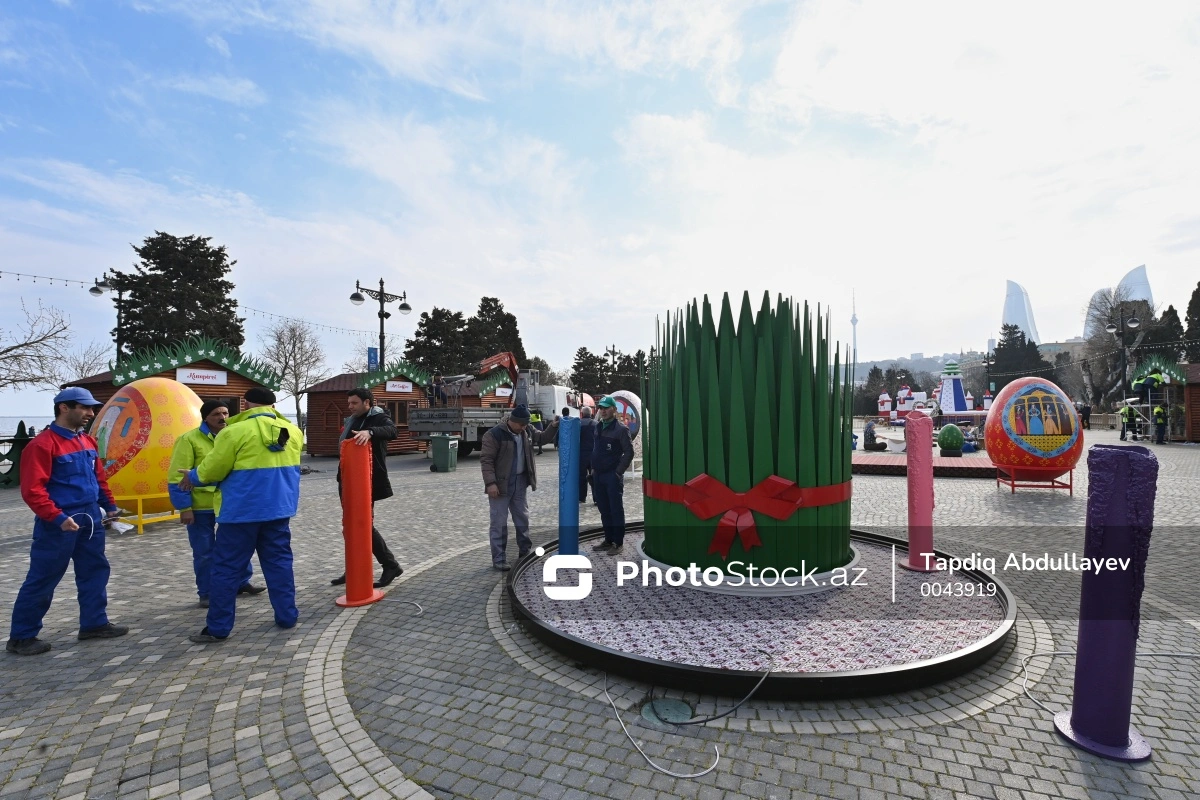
(445, 453)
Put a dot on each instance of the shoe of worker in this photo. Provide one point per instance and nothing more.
(108, 631)
(27, 647)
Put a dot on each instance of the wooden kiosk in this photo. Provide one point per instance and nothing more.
(397, 388)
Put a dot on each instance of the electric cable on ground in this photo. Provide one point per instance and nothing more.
(642, 752)
(740, 703)
(1047, 709)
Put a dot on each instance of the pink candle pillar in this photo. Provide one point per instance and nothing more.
(918, 433)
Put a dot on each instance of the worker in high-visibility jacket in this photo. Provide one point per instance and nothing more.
(255, 464)
(196, 507)
(1128, 421)
(1160, 425)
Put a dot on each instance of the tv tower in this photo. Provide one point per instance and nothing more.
(854, 326)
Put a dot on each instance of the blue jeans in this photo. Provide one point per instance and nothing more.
(202, 534)
(50, 553)
(236, 542)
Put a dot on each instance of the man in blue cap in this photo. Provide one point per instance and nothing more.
(63, 482)
(612, 453)
(509, 469)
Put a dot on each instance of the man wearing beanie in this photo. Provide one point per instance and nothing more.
(255, 465)
(196, 507)
(506, 459)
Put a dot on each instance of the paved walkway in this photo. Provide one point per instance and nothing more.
(454, 700)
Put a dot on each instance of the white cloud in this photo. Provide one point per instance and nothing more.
(237, 91)
(457, 45)
(218, 43)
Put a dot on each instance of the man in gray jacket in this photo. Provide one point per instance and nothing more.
(506, 458)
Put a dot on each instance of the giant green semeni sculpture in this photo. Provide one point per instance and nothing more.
(747, 446)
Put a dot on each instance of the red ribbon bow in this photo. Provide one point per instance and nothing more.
(777, 497)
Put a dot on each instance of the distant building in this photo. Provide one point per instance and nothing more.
(1018, 311)
(1134, 286)
(916, 356)
(1073, 347)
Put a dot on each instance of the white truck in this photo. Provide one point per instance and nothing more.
(471, 423)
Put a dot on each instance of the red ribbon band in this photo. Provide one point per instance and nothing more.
(777, 497)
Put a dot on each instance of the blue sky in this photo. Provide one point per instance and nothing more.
(594, 166)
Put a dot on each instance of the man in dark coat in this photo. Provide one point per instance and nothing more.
(506, 460)
(370, 425)
(587, 440)
(612, 453)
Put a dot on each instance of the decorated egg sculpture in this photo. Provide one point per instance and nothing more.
(135, 433)
(1033, 431)
(629, 410)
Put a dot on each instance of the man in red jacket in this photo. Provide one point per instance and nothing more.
(62, 480)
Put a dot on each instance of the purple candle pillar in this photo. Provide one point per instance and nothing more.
(1122, 482)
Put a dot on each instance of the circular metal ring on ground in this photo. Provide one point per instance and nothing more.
(835, 644)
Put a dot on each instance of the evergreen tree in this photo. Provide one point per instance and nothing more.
(627, 373)
(493, 330)
(439, 343)
(1165, 335)
(179, 290)
(1017, 357)
(589, 372)
(866, 397)
(1193, 327)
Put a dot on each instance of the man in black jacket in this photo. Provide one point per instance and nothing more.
(370, 425)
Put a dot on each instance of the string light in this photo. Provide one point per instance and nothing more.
(334, 328)
(49, 279)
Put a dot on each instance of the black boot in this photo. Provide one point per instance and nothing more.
(339, 580)
(390, 573)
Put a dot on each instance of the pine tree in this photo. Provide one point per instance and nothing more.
(1017, 357)
(1193, 327)
(439, 343)
(179, 290)
(493, 330)
(1164, 336)
(589, 372)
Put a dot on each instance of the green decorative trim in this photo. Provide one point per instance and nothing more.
(393, 370)
(951, 369)
(145, 363)
(1166, 365)
(495, 378)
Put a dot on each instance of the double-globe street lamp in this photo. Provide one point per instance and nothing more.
(384, 298)
(1119, 328)
(104, 284)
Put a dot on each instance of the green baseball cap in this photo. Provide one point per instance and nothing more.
(606, 402)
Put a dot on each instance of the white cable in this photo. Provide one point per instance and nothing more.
(643, 753)
(420, 610)
(1043, 706)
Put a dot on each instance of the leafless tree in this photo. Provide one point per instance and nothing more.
(292, 349)
(358, 361)
(1100, 372)
(30, 351)
(80, 362)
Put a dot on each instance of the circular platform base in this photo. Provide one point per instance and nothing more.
(1136, 749)
(880, 630)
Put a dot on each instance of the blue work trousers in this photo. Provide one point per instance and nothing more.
(236, 543)
(51, 551)
(609, 491)
(202, 535)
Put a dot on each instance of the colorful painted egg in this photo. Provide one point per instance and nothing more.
(1032, 430)
(629, 410)
(136, 432)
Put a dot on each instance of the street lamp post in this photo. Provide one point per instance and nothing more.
(1115, 328)
(384, 298)
(988, 360)
(105, 284)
